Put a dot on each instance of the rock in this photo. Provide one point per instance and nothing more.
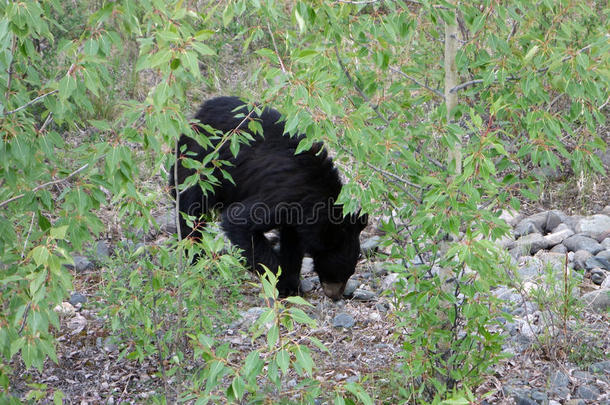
(606, 243)
(598, 300)
(81, 264)
(307, 265)
(511, 217)
(523, 400)
(574, 402)
(526, 227)
(389, 281)
(77, 298)
(606, 210)
(370, 245)
(583, 376)
(600, 367)
(306, 285)
(539, 396)
(65, 309)
(605, 283)
(582, 242)
(530, 243)
(109, 345)
(363, 295)
(559, 249)
(597, 262)
(530, 268)
(350, 287)
(556, 238)
(604, 254)
(559, 380)
(595, 226)
(166, 221)
(580, 259)
(247, 318)
(573, 221)
(343, 320)
(555, 260)
(382, 307)
(102, 250)
(598, 276)
(554, 219)
(589, 392)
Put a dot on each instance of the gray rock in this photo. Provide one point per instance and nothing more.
(606, 283)
(598, 300)
(604, 254)
(539, 396)
(102, 250)
(524, 400)
(556, 238)
(606, 210)
(594, 262)
(598, 276)
(382, 306)
(530, 268)
(553, 219)
(306, 285)
(574, 402)
(343, 320)
(596, 226)
(511, 217)
(370, 245)
(580, 259)
(166, 221)
(573, 221)
(109, 345)
(582, 242)
(526, 227)
(583, 376)
(247, 318)
(555, 260)
(605, 243)
(559, 380)
(561, 227)
(600, 367)
(77, 298)
(389, 281)
(559, 249)
(363, 295)
(81, 264)
(350, 287)
(307, 265)
(589, 392)
(530, 243)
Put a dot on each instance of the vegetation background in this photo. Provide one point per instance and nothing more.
(441, 114)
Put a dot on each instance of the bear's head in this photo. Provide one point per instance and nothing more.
(337, 262)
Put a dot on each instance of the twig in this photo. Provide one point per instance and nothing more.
(25, 318)
(28, 236)
(10, 68)
(414, 80)
(46, 122)
(353, 83)
(50, 183)
(29, 103)
(391, 176)
(275, 47)
(515, 77)
(605, 104)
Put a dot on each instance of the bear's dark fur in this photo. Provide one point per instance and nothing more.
(273, 189)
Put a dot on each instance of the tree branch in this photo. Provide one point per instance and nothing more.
(515, 77)
(414, 80)
(353, 83)
(50, 183)
(275, 47)
(29, 103)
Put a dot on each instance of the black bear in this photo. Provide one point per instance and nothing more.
(271, 188)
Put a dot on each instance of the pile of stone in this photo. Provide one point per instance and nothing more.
(552, 234)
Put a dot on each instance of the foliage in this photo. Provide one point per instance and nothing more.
(97, 92)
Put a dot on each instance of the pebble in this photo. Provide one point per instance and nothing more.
(598, 276)
(350, 287)
(343, 320)
(77, 298)
(306, 285)
(370, 245)
(81, 264)
(363, 295)
(102, 250)
(588, 392)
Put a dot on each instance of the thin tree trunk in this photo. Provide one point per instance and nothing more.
(451, 80)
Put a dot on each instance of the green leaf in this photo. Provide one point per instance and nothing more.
(59, 232)
(40, 254)
(282, 358)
